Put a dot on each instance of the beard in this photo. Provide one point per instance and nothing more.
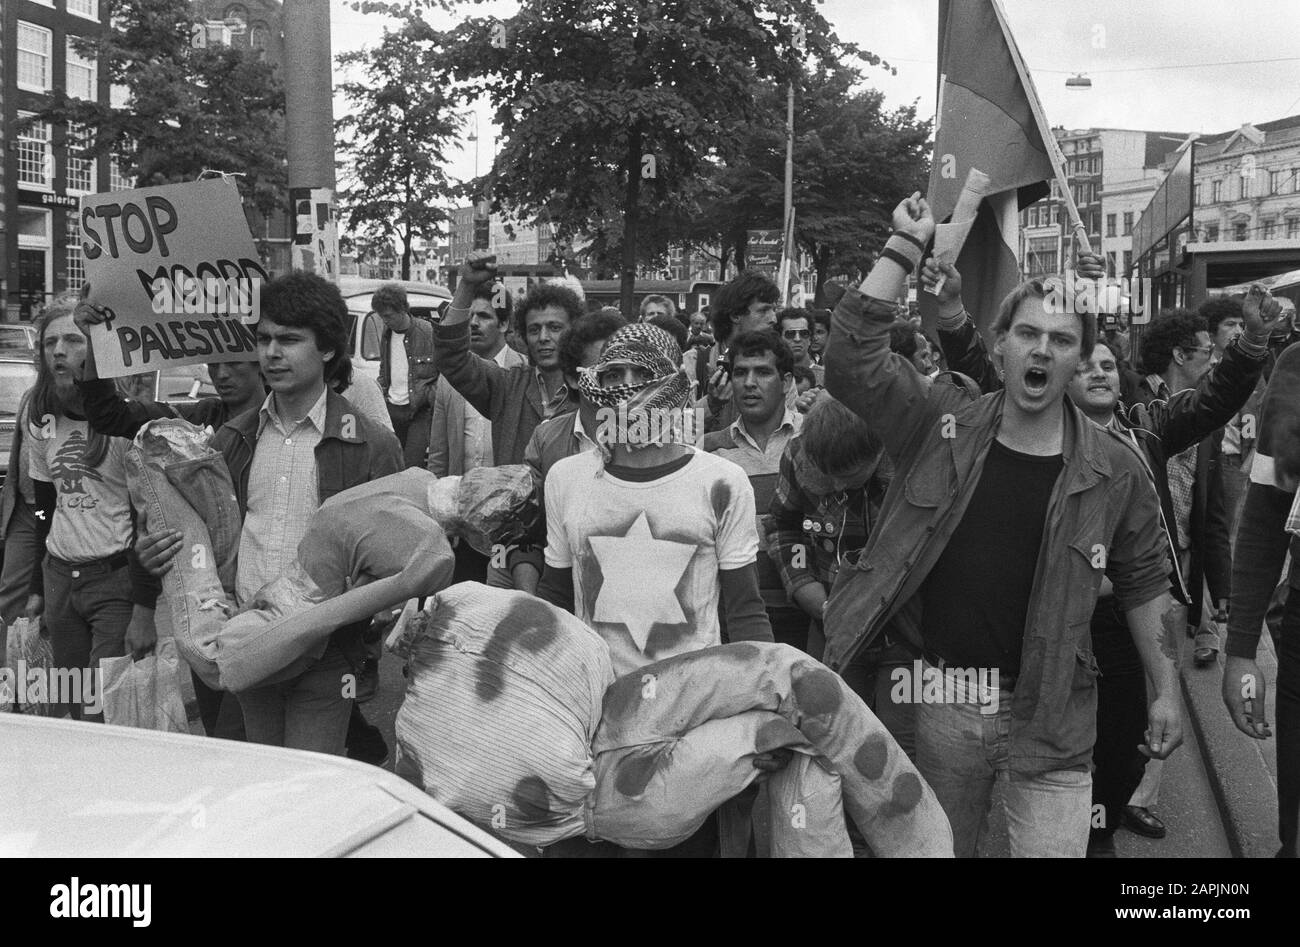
(69, 395)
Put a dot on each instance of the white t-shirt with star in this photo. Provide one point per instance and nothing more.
(645, 556)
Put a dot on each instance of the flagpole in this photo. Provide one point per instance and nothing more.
(1045, 132)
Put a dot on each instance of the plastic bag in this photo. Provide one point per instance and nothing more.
(26, 650)
(147, 693)
(488, 506)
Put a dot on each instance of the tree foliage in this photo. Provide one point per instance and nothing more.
(188, 109)
(395, 141)
(852, 161)
(617, 108)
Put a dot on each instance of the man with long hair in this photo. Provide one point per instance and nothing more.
(85, 524)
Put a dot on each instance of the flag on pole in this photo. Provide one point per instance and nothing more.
(789, 268)
(989, 121)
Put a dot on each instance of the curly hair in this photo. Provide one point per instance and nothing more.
(548, 294)
(1215, 310)
(734, 299)
(389, 296)
(760, 343)
(307, 301)
(1172, 329)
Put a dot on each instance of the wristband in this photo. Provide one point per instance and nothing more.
(889, 253)
(908, 237)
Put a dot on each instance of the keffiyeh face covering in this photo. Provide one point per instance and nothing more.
(639, 415)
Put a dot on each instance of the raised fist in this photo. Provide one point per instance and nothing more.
(913, 217)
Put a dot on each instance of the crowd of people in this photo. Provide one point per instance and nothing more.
(1000, 549)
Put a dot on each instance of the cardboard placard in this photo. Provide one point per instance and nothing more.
(178, 270)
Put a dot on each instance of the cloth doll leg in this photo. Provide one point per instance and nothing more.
(193, 597)
(891, 804)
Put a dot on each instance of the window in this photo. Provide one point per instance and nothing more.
(1245, 186)
(1216, 191)
(1128, 262)
(87, 8)
(1197, 195)
(1239, 230)
(1128, 222)
(1212, 233)
(81, 74)
(35, 159)
(1031, 217)
(117, 181)
(259, 36)
(1275, 182)
(76, 264)
(1110, 225)
(1293, 228)
(1269, 229)
(80, 175)
(34, 67)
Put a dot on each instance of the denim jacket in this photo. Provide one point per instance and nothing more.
(1102, 519)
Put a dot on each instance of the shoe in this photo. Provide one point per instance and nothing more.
(368, 681)
(1102, 846)
(1204, 657)
(1140, 820)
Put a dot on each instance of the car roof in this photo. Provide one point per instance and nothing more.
(353, 285)
(94, 790)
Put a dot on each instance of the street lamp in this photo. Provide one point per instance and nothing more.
(1078, 82)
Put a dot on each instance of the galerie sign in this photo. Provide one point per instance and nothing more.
(176, 268)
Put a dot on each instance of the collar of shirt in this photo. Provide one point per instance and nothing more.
(1157, 386)
(269, 413)
(560, 397)
(502, 355)
(738, 429)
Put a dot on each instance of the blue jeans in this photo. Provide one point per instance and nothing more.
(961, 750)
(307, 712)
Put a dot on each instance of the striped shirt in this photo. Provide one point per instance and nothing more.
(282, 495)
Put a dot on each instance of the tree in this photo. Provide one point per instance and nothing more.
(396, 141)
(618, 103)
(852, 162)
(69, 464)
(188, 109)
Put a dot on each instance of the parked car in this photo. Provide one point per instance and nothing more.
(175, 795)
(183, 384)
(425, 300)
(17, 339)
(17, 374)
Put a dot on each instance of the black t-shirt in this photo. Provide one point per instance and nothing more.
(976, 598)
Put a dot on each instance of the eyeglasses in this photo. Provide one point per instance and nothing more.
(796, 334)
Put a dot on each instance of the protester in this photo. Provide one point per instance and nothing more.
(821, 331)
(804, 380)
(1155, 429)
(1268, 531)
(519, 398)
(699, 335)
(795, 326)
(747, 303)
(560, 437)
(304, 444)
(913, 345)
(649, 541)
(657, 305)
(407, 371)
(18, 520)
(85, 578)
(761, 367)
(1010, 623)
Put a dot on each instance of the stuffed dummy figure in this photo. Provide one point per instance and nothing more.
(513, 717)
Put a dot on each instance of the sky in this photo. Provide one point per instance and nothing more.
(1159, 65)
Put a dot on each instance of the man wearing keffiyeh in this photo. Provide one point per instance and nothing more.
(648, 537)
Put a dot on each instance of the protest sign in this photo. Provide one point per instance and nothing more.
(176, 268)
